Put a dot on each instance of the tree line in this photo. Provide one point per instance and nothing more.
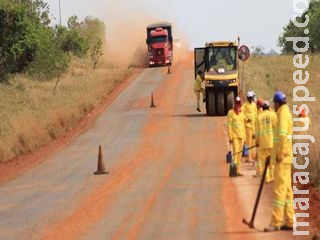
(29, 43)
(313, 26)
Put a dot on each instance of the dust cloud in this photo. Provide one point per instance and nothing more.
(126, 32)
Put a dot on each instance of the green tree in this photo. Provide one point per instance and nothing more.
(50, 62)
(96, 53)
(292, 31)
(19, 22)
(70, 40)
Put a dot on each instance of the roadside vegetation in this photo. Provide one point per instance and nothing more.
(313, 26)
(50, 76)
(266, 74)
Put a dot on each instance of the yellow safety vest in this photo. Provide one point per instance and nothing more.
(265, 125)
(284, 128)
(236, 125)
(250, 112)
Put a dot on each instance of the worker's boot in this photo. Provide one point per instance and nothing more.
(198, 109)
(286, 228)
(272, 229)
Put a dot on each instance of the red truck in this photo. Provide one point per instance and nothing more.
(160, 44)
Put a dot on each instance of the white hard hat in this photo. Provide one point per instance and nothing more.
(266, 104)
(238, 99)
(250, 94)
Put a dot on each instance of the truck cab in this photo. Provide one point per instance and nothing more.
(159, 41)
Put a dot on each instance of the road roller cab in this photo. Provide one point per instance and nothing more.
(219, 62)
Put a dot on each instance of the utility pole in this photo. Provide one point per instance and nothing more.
(60, 12)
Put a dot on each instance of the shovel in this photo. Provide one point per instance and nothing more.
(251, 223)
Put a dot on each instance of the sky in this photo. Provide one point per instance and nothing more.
(258, 23)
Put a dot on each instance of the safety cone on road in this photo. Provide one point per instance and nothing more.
(101, 169)
(169, 69)
(152, 101)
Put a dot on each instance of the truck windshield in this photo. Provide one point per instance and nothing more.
(221, 59)
(159, 39)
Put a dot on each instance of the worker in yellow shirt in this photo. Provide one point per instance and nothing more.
(304, 120)
(303, 115)
(258, 164)
(265, 125)
(250, 111)
(259, 105)
(236, 132)
(282, 156)
(199, 89)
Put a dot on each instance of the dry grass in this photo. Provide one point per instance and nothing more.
(31, 115)
(266, 74)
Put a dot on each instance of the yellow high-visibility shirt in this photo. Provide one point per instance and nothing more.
(260, 110)
(250, 112)
(236, 125)
(197, 83)
(265, 125)
(301, 123)
(284, 128)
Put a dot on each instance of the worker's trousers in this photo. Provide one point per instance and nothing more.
(250, 142)
(283, 199)
(237, 145)
(197, 92)
(261, 162)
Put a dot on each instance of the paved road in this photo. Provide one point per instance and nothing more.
(168, 178)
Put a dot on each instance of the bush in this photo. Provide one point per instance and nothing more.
(292, 31)
(18, 40)
(72, 41)
(50, 62)
(28, 42)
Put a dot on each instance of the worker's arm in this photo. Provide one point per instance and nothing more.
(257, 131)
(229, 126)
(254, 125)
(282, 136)
(244, 128)
(244, 110)
(255, 118)
(274, 120)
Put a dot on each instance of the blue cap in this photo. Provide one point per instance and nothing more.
(279, 97)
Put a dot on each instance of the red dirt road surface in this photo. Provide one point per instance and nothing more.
(168, 178)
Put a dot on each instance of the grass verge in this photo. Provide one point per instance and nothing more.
(267, 74)
(32, 115)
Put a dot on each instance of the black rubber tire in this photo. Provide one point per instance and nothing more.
(211, 103)
(221, 110)
(230, 101)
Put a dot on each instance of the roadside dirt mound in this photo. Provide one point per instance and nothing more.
(314, 206)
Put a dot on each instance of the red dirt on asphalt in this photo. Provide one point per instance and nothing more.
(17, 166)
(170, 182)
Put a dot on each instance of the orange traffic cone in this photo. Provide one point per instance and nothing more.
(169, 69)
(101, 168)
(152, 101)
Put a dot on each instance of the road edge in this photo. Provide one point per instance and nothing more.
(15, 167)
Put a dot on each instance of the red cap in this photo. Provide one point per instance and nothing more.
(260, 102)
